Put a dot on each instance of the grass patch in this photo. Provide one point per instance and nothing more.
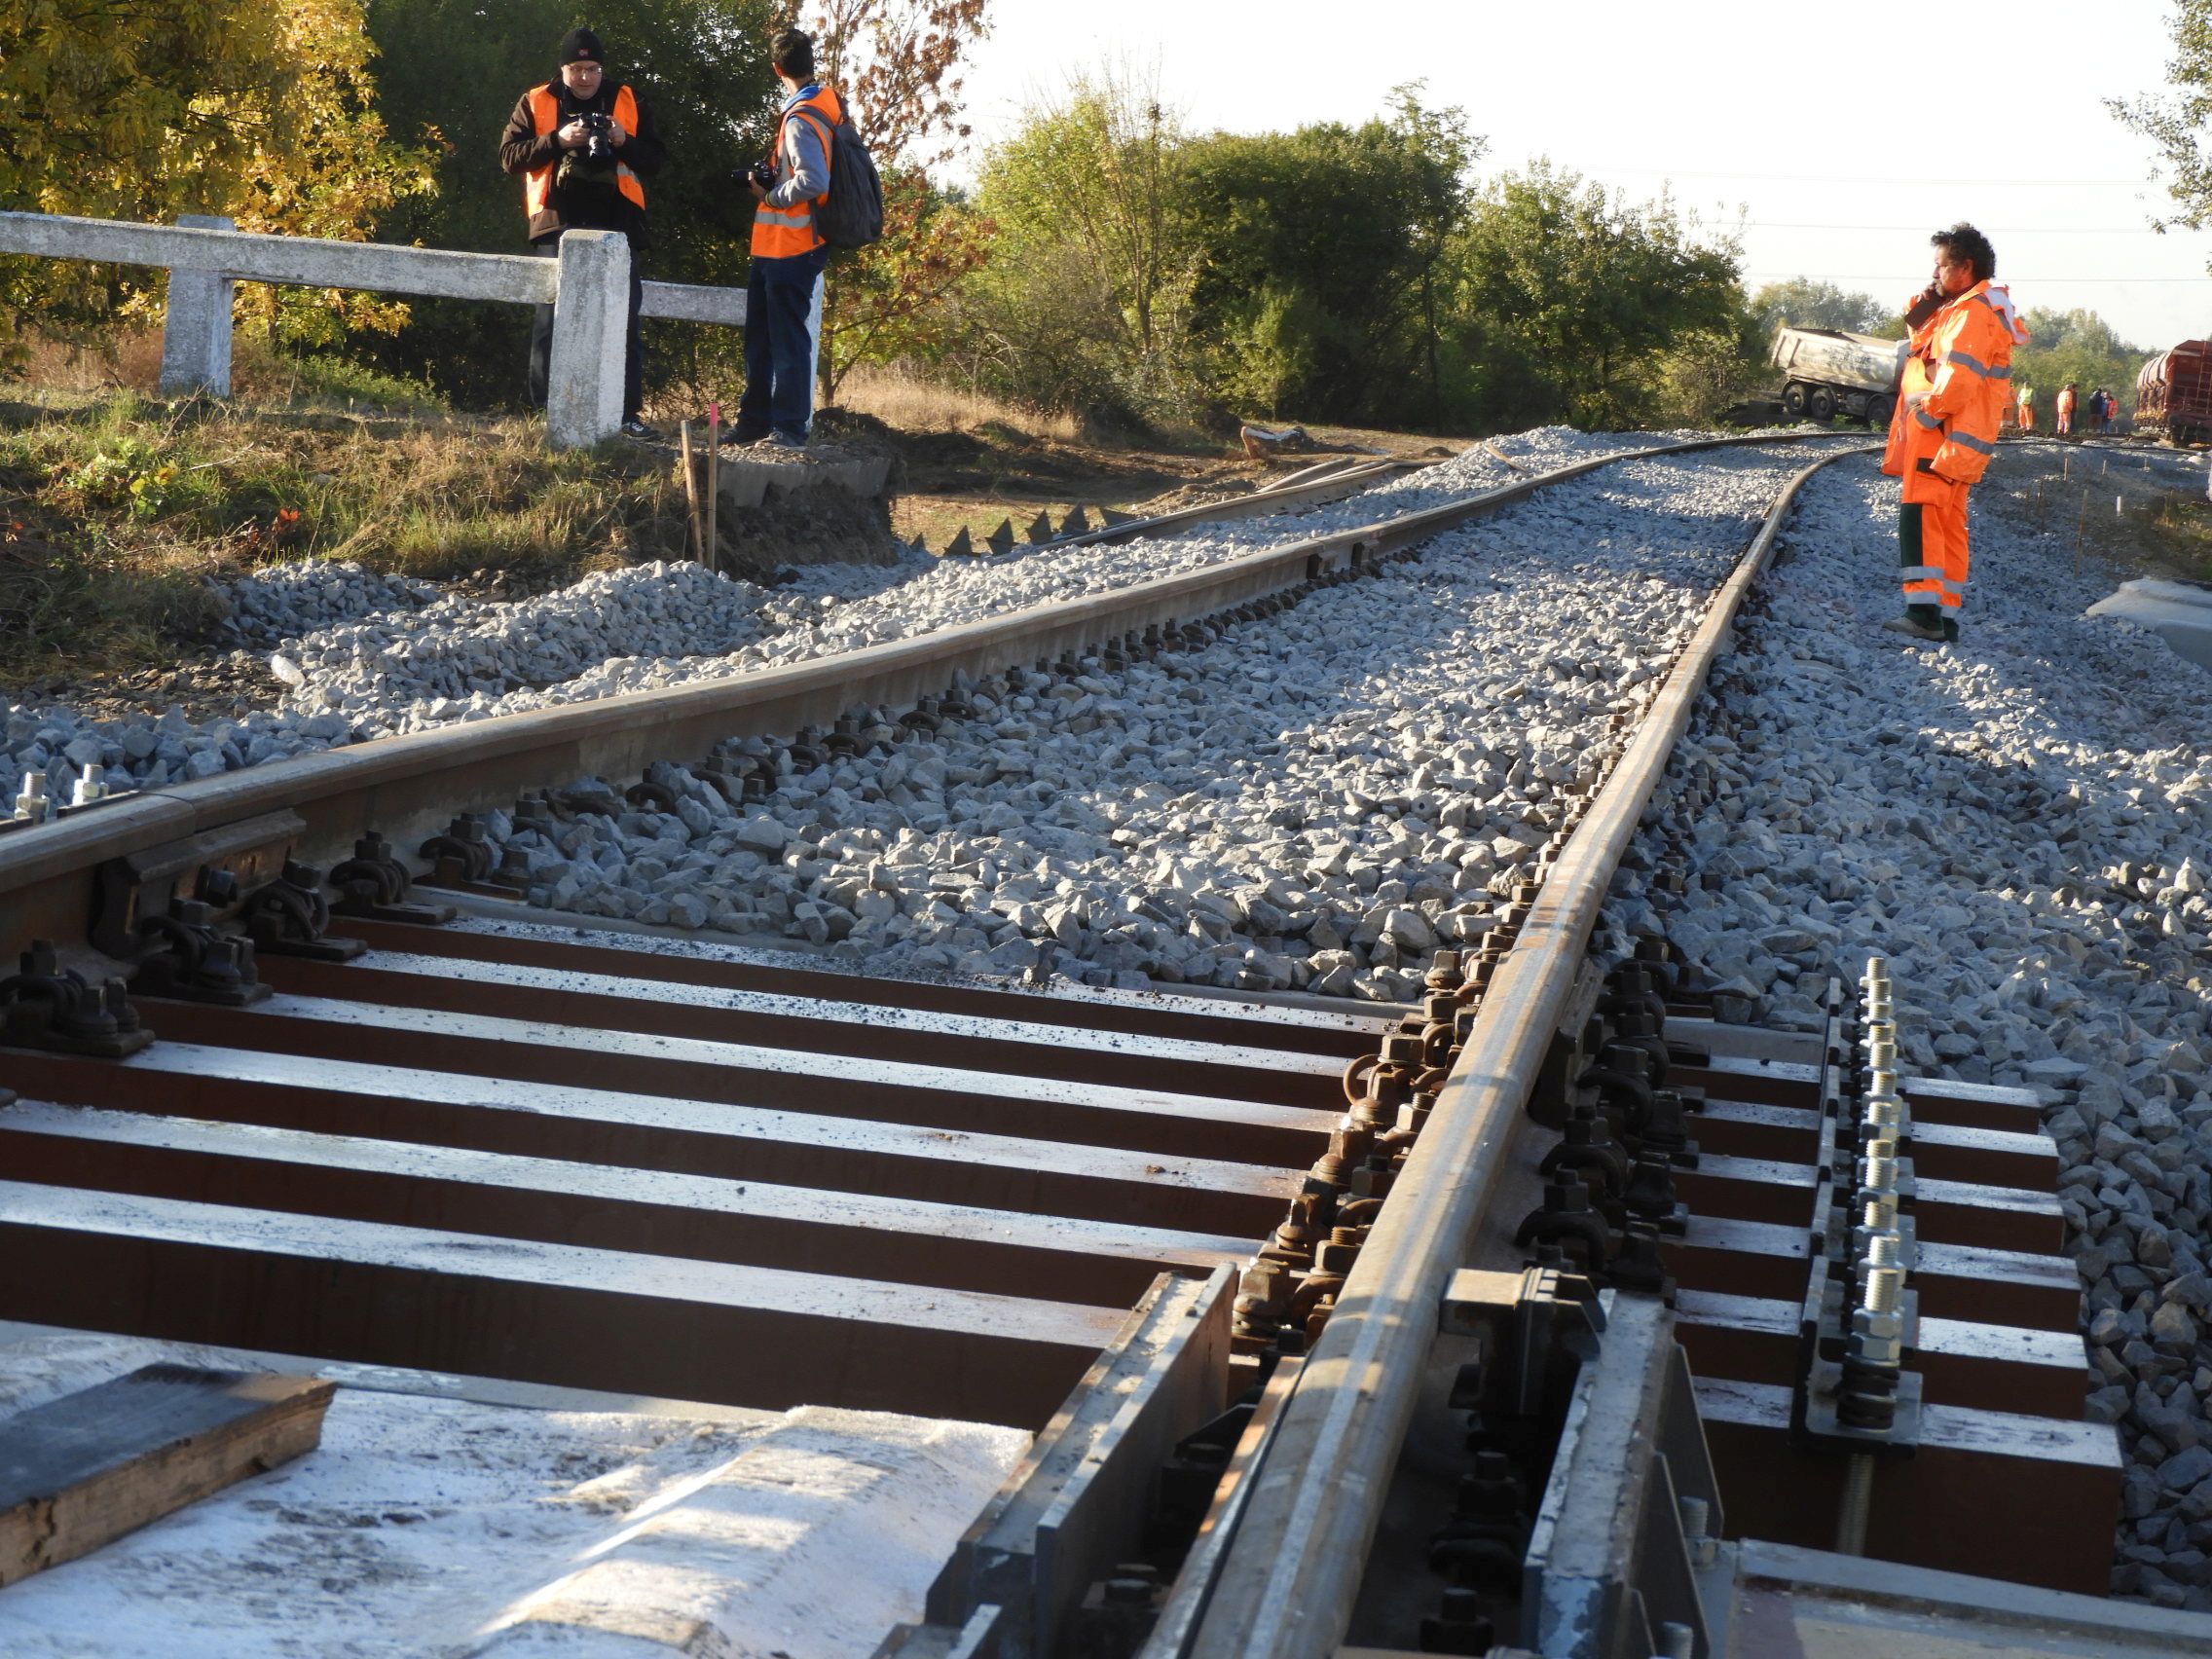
(915, 405)
(113, 515)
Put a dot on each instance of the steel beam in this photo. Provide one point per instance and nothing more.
(491, 1114)
(535, 1312)
(642, 1211)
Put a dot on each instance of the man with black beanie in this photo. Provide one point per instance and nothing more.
(583, 148)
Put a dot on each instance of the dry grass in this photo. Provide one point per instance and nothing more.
(113, 513)
(913, 405)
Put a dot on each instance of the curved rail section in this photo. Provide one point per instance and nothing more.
(408, 787)
(1288, 1579)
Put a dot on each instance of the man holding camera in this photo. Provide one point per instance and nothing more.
(783, 305)
(583, 147)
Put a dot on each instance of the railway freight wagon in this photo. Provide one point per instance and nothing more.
(2173, 394)
(1832, 371)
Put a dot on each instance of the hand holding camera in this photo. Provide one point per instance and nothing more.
(762, 177)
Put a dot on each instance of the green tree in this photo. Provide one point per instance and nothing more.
(2179, 124)
(1081, 303)
(1348, 233)
(1585, 294)
(2076, 346)
(1803, 303)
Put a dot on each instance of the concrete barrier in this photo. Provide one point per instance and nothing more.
(206, 257)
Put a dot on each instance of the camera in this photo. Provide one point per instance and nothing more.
(763, 175)
(599, 145)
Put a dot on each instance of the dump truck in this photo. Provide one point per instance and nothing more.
(1832, 371)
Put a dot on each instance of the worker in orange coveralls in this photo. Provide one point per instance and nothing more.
(2027, 410)
(2066, 410)
(1957, 381)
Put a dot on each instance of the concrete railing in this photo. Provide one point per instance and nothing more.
(587, 286)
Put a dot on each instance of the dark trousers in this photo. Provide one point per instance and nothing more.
(779, 345)
(542, 337)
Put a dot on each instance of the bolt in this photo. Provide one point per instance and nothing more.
(31, 803)
(91, 787)
(1676, 1641)
(1883, 1286)
(1882, 1251)
(1878, 1174)
(1697, 1530)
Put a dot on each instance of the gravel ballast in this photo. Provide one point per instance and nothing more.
(2019, 824)
(1314, 802)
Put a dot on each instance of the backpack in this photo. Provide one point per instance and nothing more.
(851, 213)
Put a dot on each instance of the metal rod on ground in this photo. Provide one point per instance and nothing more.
(713, 559)
(1857, 1505)
(690, 487)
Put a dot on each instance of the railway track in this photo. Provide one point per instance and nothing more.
(1245, 1265)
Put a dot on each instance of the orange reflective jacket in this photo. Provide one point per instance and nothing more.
(784, 233)
(545, 113)
(1957, 382)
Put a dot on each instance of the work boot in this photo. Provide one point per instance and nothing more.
(1913, 627)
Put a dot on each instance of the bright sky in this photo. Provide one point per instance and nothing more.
(1843, 144)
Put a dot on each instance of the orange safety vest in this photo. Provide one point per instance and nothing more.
(784, 233)
(545, 115)
(1956, 385)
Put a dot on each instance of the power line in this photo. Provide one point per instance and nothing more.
(1894, 277)
(1991, 230)
(1849, 178)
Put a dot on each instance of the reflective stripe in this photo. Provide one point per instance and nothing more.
(1927, 420)
(1920, 572)
(1974, 444)
(1974, 365)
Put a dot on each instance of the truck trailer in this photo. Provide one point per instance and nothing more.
(1832, 371)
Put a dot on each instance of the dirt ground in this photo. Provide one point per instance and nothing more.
(978, 477)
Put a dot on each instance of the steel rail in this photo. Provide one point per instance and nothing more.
(1289, 1577)
(407, 787)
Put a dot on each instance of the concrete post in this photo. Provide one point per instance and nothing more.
(591, 309)
(196, 329)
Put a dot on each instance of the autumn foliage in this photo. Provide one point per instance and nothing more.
(260, 109)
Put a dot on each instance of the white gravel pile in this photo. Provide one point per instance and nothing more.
(281, 602)
(463, 658)
(1314, 803)
(2020, 824)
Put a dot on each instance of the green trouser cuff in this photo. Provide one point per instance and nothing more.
(1909, 554)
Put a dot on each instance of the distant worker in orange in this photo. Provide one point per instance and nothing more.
(2027, 396)
(1956, 381)
(2066, 410)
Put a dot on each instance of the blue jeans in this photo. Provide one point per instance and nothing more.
(781, 314)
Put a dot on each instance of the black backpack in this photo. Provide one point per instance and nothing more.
(851, 214)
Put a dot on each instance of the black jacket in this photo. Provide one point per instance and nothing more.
(522, 150)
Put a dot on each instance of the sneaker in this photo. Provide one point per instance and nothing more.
(1905, 625)
(782, 441)
(644, 434)
(743, 434)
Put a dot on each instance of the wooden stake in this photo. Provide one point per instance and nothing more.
(2081, 528)
(713, 484)
(692, 491)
